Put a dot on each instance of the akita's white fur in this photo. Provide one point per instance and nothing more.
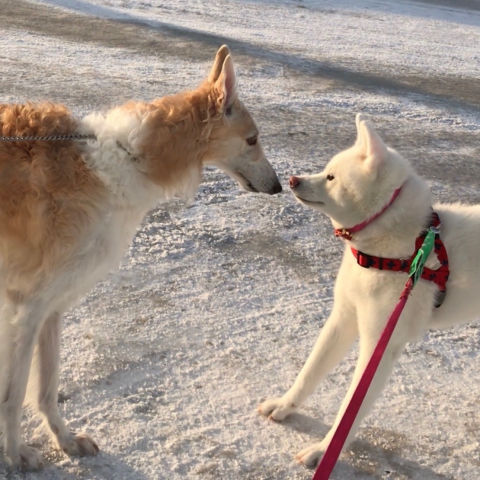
(355, 185)
(68, 210)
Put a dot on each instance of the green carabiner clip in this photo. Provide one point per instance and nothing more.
(418, 263)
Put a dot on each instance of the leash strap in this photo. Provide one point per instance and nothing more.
(334, 449)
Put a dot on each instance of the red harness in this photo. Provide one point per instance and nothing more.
(438, 276)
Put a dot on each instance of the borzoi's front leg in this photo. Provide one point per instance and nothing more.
(371, 325)
(45, 372)
(335, 339)
(19, 325)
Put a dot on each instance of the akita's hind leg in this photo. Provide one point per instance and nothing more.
(334, 341)
(43, 390)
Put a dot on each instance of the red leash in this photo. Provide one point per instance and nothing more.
(335, 447)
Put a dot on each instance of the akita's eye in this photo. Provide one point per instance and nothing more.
(330, 177)
(252, 140)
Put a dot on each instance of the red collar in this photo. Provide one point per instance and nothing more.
(347, 233)
(438, 276)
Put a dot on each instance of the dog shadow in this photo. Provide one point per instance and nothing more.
(57, 466)
(375, 454)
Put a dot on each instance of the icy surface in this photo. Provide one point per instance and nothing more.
(216, 307)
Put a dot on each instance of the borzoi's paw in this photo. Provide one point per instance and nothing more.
(276, 409)
(25, 458)
(311, 455)
(79, 444)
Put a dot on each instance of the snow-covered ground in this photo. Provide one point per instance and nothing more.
(216, 307)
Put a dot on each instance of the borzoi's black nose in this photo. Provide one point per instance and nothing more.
(277, 188)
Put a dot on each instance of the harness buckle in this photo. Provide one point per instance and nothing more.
(364, 260)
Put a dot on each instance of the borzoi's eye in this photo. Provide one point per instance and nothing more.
(252, 140)
(228, 111)
(330, 177)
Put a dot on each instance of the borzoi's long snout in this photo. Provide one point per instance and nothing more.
(259, 176)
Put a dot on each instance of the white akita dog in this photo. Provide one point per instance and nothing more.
(357, 185)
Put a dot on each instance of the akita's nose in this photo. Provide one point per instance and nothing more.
(294, 181)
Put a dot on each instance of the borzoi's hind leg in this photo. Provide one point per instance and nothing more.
(44, 390)
(19, 324)
(335, 339)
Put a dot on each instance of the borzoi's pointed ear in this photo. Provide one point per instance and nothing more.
(373, 147)
(222, 54)
(226, 85)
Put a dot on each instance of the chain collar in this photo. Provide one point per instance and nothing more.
(49, 138)
(134, 158)
(55, 138)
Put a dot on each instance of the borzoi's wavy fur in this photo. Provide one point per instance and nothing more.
(69, 209)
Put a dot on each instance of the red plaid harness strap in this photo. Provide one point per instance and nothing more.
(438, 276)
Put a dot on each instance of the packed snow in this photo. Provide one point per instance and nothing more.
(217, 306)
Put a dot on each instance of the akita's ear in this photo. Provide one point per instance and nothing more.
(358, 120)
(226, 85)
(373, 147)
(220, 57)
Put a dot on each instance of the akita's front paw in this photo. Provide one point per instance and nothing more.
(79, 444)
(276, 409)
(25, 458)
(311, 455)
